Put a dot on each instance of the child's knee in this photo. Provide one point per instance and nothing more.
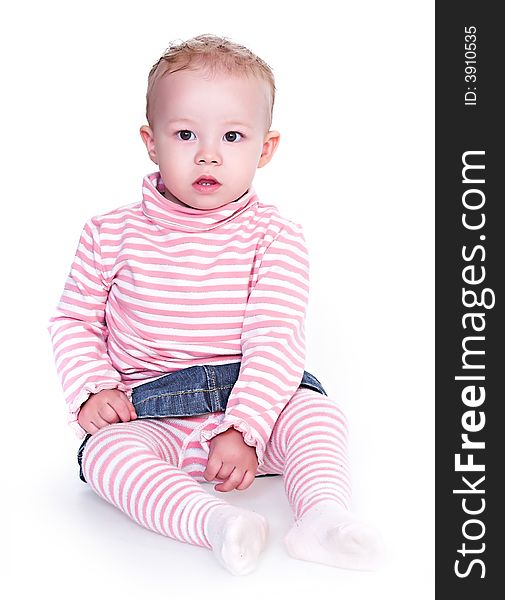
(309, 403)
(114, 439)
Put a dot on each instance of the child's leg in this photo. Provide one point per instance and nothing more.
(309, 442)
(138, 467)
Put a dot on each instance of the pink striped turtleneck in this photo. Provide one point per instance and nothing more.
(156, 287)
(186, 218)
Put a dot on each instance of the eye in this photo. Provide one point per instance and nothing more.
(232, 136)
(185, 134)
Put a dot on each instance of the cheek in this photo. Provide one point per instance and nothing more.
(247, 155)
(172, 154)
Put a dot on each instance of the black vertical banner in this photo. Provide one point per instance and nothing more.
(470, 299)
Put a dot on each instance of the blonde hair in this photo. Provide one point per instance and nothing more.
(212, 53)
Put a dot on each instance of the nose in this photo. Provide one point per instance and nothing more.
(207, 155)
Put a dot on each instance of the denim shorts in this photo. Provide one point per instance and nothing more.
(193, 391)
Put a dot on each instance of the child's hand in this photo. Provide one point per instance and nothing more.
(231, 459)
(104, 408)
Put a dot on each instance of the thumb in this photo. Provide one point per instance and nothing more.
(131, 408)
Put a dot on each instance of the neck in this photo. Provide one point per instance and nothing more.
(162, 208)
(169, 196)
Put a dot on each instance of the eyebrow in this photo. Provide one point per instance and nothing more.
(227, 122)
(235, 122)
(180, 119)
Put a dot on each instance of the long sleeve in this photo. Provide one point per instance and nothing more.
(78, 330)
(272, 341)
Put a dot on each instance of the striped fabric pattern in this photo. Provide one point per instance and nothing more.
(151, 469)
(156, 287)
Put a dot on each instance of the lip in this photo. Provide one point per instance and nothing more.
(206, 189)
(205, 176)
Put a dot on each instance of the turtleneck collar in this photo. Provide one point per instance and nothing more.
(168, 214)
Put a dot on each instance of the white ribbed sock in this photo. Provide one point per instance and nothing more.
(237, 537)
(332, 536)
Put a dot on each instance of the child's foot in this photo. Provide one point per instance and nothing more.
(237, 537)
(332, 536)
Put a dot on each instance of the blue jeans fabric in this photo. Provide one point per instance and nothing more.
(193, 391)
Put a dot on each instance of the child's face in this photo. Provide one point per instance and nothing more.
(214, 126)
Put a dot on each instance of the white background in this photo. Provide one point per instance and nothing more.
(355, 165)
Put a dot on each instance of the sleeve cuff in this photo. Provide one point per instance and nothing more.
(76, 428)
(75, 407)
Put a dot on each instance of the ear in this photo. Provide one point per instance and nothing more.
(146, 133)
(270, 144)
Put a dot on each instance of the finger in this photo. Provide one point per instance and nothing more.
(212, 468)
(90, 428)
(100, 421)
(106, 411)
(231, 483)
(129, 404)
(225, 471)
(131, 408)
(108, 414)
(246, 481)
(118, 405)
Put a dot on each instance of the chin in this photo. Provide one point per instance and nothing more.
(208, 203)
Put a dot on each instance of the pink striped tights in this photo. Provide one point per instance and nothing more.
(151, 470)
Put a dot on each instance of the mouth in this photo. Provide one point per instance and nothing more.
(206, 183)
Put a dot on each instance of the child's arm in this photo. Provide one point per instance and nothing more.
(78, 330)
(273, 342)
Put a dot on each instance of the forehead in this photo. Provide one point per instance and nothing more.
(220, 96)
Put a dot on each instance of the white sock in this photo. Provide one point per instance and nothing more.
(331, 535)
(237, 537)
